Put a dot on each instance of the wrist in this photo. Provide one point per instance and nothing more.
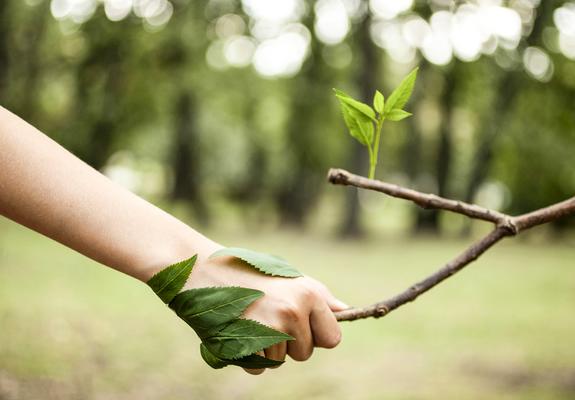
(175, 247)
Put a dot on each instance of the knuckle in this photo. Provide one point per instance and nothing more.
(308, 292)
(289, 312)
(332, 340)
(303, 355)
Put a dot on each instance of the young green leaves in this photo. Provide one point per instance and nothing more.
(400, 96)
(214, 313)
(358, 117)
(364, 122)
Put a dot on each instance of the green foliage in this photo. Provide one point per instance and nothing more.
(242, 337)
(378, 102)
(204, 308)
(402, 93)
(251, 361)
(266, 263)
(398, 115)
(350, 102)
(168, 282)
(362, 120)
(214, 313)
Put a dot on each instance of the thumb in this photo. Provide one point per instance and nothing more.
(333, 302)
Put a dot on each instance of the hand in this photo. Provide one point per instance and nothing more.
(301, 307)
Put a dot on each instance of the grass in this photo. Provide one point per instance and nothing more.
(502, 329)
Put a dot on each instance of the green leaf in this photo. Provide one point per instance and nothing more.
(401, 94)
(353, 126)
(206, 309)
(243, 337)
(253, 361)
(360, 127)
(341, 93)
(211, 359)
(378, 102)
(398, 115)
(355, 104)
(169, 281)
(266, 263)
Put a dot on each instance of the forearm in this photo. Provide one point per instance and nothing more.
(46, 188)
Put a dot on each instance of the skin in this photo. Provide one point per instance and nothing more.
(49, 190)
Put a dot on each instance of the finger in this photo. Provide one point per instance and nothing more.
(333, 302)
(301, 348)
(258, 371)
(325, 329)
(277, 352)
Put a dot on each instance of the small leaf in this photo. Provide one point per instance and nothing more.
(355, 104)
(253, 361)
(168, 282)
(360, 126)
(398, 115)
(266, 263)
(365, 125)
(206, 309)
(378, 102)
(211, 359)
(401, 94)
(341, 93)
(243, 337)
(352, 125)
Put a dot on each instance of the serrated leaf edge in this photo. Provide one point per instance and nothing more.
(185, 263)
(257, 293)
(215, 254)
(285, 337)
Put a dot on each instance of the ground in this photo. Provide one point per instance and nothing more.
(501, 329)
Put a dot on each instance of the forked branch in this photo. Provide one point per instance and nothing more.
(505, 225)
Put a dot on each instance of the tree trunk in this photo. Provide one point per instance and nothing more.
(428, 220)
(311, 87)
(4, 51)
(31, 65)
(506, 92)
(186, 157)
(367, 82)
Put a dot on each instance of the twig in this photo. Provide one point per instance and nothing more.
(505, 225)
(424, 200)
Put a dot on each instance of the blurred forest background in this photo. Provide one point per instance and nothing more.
(224, 103)
(222, 112)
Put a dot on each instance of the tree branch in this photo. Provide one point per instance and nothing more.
(424, 200)
(505, 225)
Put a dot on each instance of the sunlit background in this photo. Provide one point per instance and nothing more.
(222, 112)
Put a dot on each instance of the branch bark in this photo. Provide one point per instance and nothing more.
(505, 225)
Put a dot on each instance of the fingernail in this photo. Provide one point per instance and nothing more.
(341, 304)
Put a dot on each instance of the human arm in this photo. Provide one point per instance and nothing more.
(46, 188)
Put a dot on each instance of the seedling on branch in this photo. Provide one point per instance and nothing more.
(365, 123)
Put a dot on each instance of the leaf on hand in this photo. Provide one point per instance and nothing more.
(401, 94)
(398, 115)
(266, 263)
(211, 359)
(355, 104)
(206, 309)
(168, 282)
(378, 102)
(253, 361)
(243, 337)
